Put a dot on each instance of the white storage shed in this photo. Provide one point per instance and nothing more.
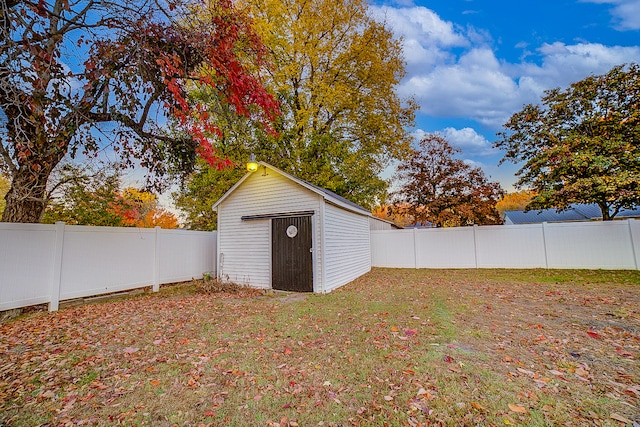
(276, 231)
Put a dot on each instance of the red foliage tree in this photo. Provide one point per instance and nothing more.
(445, 191)
(71, 70)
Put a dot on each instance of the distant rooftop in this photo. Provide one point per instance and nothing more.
(578, 212)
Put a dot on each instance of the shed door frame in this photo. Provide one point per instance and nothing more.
(293, 271)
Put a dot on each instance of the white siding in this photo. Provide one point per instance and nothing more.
(245, 246)
(348, 246)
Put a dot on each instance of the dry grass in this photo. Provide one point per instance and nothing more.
(395, 347)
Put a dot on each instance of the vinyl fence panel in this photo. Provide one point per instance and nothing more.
(591, 245)
(184, 254)
(634, 232)
(510, 246)
(393, 248)
(100, 260)
(605, 245)
(26, 264)
(445, 248)
(42, 263)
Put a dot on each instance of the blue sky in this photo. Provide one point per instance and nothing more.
(471, 64)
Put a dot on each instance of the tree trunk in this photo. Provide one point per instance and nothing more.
(26, 198)
(604, 208)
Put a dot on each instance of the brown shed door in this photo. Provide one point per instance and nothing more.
(291, 257)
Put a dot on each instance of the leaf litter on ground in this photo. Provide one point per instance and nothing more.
(401, 347)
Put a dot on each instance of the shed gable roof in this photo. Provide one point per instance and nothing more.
(327, 195)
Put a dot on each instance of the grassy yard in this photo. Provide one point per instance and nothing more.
(397, 347)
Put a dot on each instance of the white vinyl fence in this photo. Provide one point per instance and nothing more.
(42, 263)
(611, 245)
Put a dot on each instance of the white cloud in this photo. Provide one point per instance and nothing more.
(427, 38)
(469, 141)
(454, 72)
(626, 13)
(475, 87)
(421, 24)
(466, 139)
(563, 64)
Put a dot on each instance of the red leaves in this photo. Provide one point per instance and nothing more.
(593, 334)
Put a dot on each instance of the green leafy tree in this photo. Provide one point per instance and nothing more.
(205, 187)
(335, 72)
(72, 70)
(435, 187)
(86, 197)
(582, 145)
(94, 197)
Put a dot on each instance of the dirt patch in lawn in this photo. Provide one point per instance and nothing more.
(395, 347)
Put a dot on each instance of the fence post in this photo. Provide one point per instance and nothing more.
(415, 247)
(54, 301)
(633, 244)
(544, 244)
(156, 261)
(475, 244)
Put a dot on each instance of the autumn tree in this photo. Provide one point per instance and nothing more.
(77, 76)
(515, 201)
(85, 197)
(335, 71)
(398, 214)
(90, 196)
(140, 208)
(444, 191)
(582, 144)
(4, 189)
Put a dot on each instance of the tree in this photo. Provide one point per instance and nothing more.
(140, 209)
(93, 197)
(205, 187)
(71, 71)
(515, 201)
(86, 197)
(394, 213)
(443, 190)
(582, 145)
(335, 73)
(4, 189)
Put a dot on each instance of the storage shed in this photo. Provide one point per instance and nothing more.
(276, 231)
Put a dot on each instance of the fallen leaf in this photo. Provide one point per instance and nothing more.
(131, 350)
(388, 398)
(517, 408)
(593, 334)
(477, 406)
(394, 329)
(620, 418)
(154, 383)
(526, 372)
